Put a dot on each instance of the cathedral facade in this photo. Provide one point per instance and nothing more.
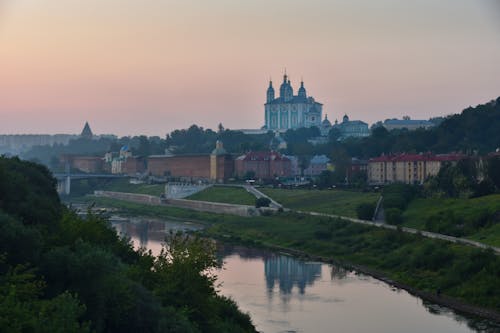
(289, 111)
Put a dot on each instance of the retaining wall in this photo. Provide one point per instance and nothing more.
(202, 206)
(214, 207)
(134, 197)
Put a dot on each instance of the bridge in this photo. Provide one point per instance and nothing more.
(64, 179)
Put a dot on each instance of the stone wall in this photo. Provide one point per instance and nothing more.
(214, 207)
(134, 197)
(186, 166)
(202, 206)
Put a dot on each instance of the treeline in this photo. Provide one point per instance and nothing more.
(475, 130)
(199, 140)
(138, 145)
(61, 273)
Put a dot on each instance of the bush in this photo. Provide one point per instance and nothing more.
(399, 195)
(262, 202)
(365, 211)
(393, 216)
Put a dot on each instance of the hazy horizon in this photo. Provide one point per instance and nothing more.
(150, 67)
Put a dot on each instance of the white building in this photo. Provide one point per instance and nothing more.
(291, 111)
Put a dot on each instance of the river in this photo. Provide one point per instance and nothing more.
(284, 294)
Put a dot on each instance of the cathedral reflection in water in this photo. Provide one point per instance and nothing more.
(288, 272)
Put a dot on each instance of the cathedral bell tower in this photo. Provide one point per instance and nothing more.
(302, 90)
(270, 92)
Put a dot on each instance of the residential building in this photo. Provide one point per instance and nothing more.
(263, 164)
(317, 165)
(357, 167)
(406, 123)
(87, 164)
(407, 168)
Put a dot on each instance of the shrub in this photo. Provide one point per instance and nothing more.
(365, 211)
(262, 202)
(393, 216)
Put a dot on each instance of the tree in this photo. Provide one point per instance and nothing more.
(393, 216)
(365, 211)
(262, 202)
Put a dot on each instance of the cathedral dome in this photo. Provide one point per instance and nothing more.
(326, 122)
(302, 90)
(270, 89)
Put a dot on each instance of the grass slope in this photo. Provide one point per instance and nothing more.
(123, 185)
(225, 194)
(466, 211)
(337, 202)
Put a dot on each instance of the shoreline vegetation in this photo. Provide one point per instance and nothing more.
(456, 276)
(63, 273)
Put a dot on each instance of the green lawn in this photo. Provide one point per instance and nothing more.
(467, 212)
(231, 195)
(123, 185)
(338, 202)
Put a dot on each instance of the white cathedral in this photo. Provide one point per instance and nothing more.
(291, 111)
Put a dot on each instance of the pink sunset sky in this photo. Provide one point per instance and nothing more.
(150, 66)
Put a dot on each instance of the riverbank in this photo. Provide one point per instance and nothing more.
(437, 298)
(465, 276)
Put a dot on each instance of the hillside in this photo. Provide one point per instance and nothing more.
(61, 273)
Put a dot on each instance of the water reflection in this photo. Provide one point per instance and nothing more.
(285, 294)
(289, 272)
(148, 232)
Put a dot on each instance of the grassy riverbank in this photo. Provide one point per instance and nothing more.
(468, 274)
(477, 218)
(225, 194)
(88, 186)
(338, 202)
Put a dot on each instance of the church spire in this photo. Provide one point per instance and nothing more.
(86, 132)
(270, 92)
(302, 90)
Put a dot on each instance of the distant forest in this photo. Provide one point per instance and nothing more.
(475, 130)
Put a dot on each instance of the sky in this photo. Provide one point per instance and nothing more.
(133, 67)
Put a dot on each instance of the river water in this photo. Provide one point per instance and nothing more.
(284, 294)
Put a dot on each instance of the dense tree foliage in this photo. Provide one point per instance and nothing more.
(198, 140)
(475, 129)
(61, 273)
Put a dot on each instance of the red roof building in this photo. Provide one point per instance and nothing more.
(407, 168)
(263, 164)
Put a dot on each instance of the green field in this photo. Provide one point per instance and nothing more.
(337, 202)
(477, 218)
(123, 185)
(88, 186)
(225, 194)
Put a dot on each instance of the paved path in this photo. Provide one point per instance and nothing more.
(427, 234)
(259, 194)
